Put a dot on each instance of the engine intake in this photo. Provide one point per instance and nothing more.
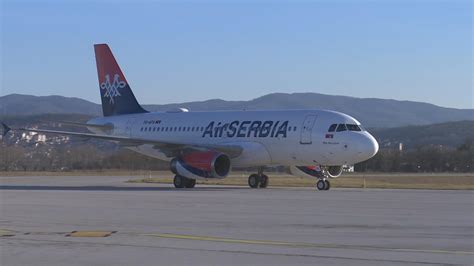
(197, 165)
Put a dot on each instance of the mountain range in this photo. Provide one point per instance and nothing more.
(371, 112)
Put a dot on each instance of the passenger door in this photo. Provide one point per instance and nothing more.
(306, 129)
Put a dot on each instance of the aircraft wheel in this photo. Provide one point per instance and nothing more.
(254, 181)
(179, 181)
(327, 185)
(190, 183)
(263, 181)
(321, 184)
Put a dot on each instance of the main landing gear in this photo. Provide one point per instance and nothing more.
(258, 180)
(183, 182)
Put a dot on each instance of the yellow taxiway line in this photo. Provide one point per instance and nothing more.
(307, 245)
(8, 233)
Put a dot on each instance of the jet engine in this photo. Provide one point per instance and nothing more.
(334, 171)
(201, 164)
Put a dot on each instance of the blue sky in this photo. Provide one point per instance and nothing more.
(239, 50)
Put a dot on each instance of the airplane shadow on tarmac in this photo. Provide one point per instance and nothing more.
(112, 188)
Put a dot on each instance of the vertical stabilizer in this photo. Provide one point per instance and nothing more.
(116, 95)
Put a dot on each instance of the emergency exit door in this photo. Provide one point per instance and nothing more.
(306, 129)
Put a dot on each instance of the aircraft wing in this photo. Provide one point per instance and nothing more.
(171, 149)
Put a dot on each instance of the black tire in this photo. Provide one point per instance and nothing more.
(179, 181)
(328, 185)
(263, 181)
(321, 185)
(190, 183)
(254, 181)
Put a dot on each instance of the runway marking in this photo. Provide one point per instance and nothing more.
(86, 234)
(5, 233)
(352, 259)
(90, 233)
(308, 245)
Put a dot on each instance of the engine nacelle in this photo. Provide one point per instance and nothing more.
(201, 164)
(334, 171)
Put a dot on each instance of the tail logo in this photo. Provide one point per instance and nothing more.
(111, 89)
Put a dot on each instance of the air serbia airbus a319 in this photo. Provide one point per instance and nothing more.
(206, 145)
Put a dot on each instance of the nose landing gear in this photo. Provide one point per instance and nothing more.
(323, 184)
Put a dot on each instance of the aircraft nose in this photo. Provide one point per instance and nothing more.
(368, 147)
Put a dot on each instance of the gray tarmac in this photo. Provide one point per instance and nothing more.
(149, 224)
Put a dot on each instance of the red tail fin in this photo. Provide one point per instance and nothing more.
(117, 96)
(106, 63)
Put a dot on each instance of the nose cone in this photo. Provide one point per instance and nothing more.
(368, 147)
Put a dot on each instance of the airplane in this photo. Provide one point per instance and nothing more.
(206, 145)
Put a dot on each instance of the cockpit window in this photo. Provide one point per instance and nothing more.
(353, 127)
(341, 127)
(332, 128)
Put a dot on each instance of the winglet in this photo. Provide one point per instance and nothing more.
(6, 129)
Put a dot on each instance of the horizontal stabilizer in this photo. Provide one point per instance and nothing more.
(5, 130)
(103, 127)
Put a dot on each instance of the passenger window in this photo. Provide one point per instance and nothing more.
(341, 127)
(353, 127)
(332, 128)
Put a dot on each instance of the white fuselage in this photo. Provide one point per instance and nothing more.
(284, 137)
